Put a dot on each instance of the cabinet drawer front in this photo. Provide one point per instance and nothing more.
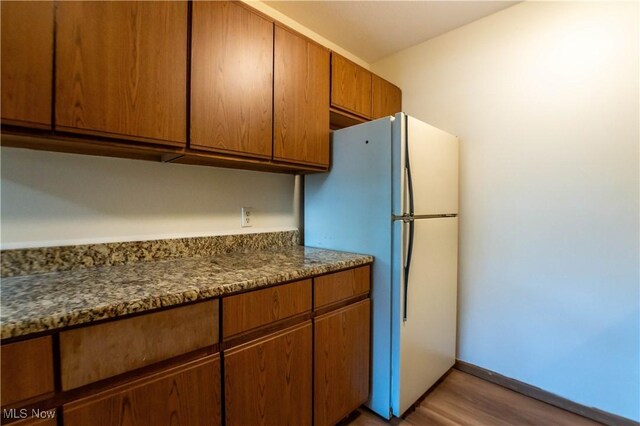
(188, 395)
(27, 369)
(247, 311)
(342, 351)
(97, 352)
(341, 286)
(268, 381)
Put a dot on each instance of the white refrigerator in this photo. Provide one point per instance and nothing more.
(392, 192)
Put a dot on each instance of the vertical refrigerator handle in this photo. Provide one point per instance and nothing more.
(407, 267)
(407, 166)
(408, 219)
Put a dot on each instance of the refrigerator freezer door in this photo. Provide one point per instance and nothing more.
(349, 209)
(433, 167)
(425, 347)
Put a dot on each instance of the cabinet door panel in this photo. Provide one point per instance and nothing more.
(18, 379)
(301, 92)
(231, 79)
(121, 69)
(386, 98)
(268, 381)
(341, 348)
(188, 395)
(27, 56)
(350, 86)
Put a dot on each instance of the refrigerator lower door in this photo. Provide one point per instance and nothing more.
(424, 346)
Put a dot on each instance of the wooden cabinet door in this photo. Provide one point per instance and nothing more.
(231, 79)
(268, 381)
(186, 395)
(386, 98)
(341, 354)
(19, 380)
(301, 92)
(350, 86)
(121, 69)
(27, 57)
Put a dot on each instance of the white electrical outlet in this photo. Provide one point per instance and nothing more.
(247, 217)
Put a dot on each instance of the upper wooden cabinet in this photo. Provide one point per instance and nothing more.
(90, 354)
(386, 99)
(231, 79)
(27, 56)
(121, 69)
(301, 95)
(350, 86)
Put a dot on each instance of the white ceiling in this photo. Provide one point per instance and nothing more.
(375, 29)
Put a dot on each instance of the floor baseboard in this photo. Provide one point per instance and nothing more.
(544, 396)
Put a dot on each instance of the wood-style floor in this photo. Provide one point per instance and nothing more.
(463, 399)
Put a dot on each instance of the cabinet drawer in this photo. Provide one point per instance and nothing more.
(257, 308)
(189, 395)
(341, 286)
(96, 352)
(27, 369)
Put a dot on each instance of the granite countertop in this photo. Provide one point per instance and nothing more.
(47, 301)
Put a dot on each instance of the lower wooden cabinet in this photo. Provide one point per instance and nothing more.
(185, 395)
(36, 422)
(341, 354)
(268, 381)
(19, 380)
(284, 361)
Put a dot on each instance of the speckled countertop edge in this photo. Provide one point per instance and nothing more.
(38, 303)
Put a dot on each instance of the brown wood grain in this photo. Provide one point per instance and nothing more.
(121, 69)
(350, 86)
(27, 58)
(341, 119)
(332, 288)
(386, 98)
(341, 356)
(301, 94)
(92, 353)
(231, 79)
(257, 308)
(35, 422)
(462, 399)
(543, 396)
(26, 369)
(188, 395)
(268, 381)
